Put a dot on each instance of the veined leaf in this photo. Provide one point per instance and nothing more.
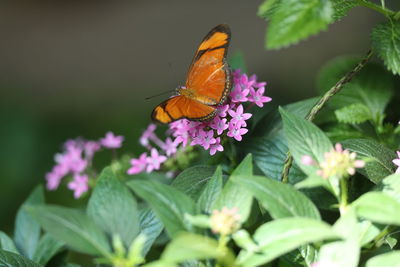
(355, 113)
(386, 41)
(341, 8)
(150, 226)
(390, 185)
(27, 230)
(378, 207)
(283, 235)
(71, 226)
(188, 246)
(281, 200)
(192, 181)
(267, 8)
(235, 196)
(211, 192)
(386, 259)
(304, 138)
(372, 86)
(168, 203)
(381, 158)
(113, 208)
(6, 243)
(47, 248)
(295, 20)
(8, 258)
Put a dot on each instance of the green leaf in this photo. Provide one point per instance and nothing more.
(386, 42)
(233, 195)
(341, 8)
(72, 227)
(381, 158)
(268, 145)
(340, 253)
(150, 226)
(281, 200)
(391, 186)
(283, 235)
(378, 207)
(192, 180)
(168, 203)
(386, 259)
(304, 138)
(267, 8)
(47, 248)
(295, 20)
(10, 259)
(313, 181)
(346, 252)
(27, 230)
(355, 113)
(113, 208)
(373, 86)
(188, 246)
(6, 243)
(211, 192)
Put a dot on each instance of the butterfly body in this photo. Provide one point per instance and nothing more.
(207, 85)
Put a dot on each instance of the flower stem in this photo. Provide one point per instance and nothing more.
(321, 103)
(343, 201)
(378, 8)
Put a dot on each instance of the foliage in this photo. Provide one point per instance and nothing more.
(313, 183)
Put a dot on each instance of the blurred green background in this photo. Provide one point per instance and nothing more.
(81, 68)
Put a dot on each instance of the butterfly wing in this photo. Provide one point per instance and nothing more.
(179, 107)
(209, 75)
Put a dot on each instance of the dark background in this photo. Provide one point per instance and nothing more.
(81, 68)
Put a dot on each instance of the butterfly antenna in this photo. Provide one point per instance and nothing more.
(163, 93)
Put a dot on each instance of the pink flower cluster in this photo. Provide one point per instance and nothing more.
(75, 159)
(230, 121)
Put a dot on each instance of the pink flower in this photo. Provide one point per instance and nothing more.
(258, 97)
(148, 133)
(180, 130)
(222, 110)
(79, 185)
(397, 162)
(239, 95)
(216, 146)
(339, 163)
(53, 178)
(111, 140)
(90, 147)
(205, 139)
(219, 124)
(154, 161)
(138, 165)
(238, 117)
(169, 147)
(307, 160)
(236, 133)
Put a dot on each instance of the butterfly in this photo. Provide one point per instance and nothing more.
(208, 82)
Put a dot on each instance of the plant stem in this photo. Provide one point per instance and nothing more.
(343, 201)
(378, 8)
(321, 103)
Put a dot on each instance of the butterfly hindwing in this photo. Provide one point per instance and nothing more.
(179, 107)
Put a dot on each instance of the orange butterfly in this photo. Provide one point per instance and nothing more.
(207, 85)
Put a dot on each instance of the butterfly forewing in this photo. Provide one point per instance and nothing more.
(209, 74)
(208, 82)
